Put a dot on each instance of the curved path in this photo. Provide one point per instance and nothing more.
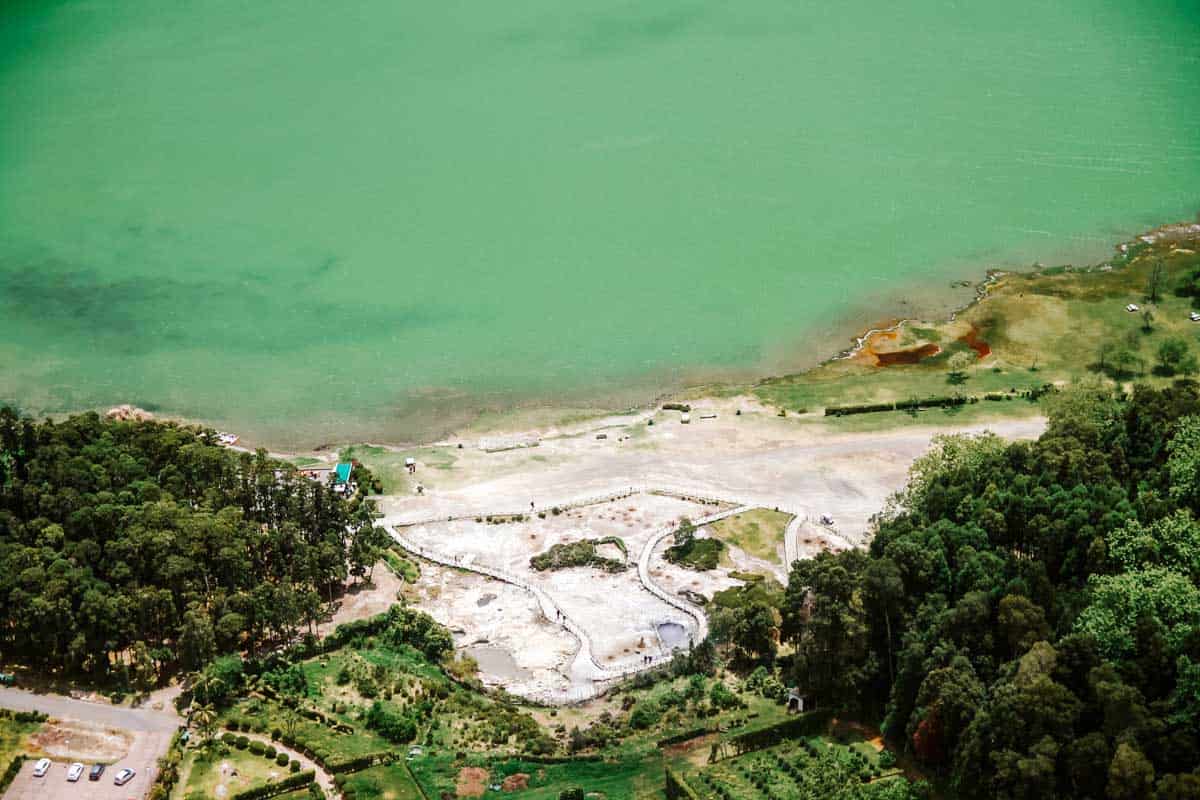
(584, 668)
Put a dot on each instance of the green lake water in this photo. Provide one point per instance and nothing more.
(313, 221)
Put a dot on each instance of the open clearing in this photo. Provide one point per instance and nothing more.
(497, 510)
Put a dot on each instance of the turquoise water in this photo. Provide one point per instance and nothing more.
(314, 221)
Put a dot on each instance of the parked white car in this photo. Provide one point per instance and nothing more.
(75, 772)
(1131, 307)
(123, 776)
(41, 767)
(1194, 316)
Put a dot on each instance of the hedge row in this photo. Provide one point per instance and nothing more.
(14, 767)
(561, 759)
(684, 407)
(279, 787)
(684, 736)
(902, 405)
(677, 788)
(23, 716)
(807, 724)
(358, 763)
(331, 722)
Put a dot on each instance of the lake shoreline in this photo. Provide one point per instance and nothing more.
(533, 420)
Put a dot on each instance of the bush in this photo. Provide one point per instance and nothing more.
(257, 747)
(270, 751)
(390, 725)
(241, 743)
(282, 759)
(294, 766)
(228, 738)
(276, 734)
(645, 715)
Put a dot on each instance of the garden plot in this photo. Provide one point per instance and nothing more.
(622, 620)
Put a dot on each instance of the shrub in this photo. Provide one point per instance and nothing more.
(228, 738)
(390, 725)
(257, 747)
(276, 734)
(242, 743)
(282, 759)
(294, 766)
(270, 751)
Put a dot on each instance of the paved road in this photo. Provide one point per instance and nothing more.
(57, 705)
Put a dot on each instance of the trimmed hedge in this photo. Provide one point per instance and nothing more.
(684, 407)
(14, 767)
(902, 405)
(277, 788)
(23, 716)
(677, 788)
(561, 759)
(346, 766)
(282, 759)
(684, 736)
(806, 724)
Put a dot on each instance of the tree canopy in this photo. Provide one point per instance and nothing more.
(128, 548)
(1027, 618)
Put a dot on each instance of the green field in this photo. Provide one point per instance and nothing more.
(759, 532)
(207, 769)
(13, 738)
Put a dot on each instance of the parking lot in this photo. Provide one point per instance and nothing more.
(149, 732)
(142, 757)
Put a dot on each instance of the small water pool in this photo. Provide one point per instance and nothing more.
(672, 635)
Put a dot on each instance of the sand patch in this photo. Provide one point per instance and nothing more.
(471, 782)
(81, 741)
(515, 782)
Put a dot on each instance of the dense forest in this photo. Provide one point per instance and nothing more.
(131, 549)
(1027, 619)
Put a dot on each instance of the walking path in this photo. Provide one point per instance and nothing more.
(585, 671)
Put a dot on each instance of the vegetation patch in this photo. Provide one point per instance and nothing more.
(692, 551)
(584, 553)
(758, 532)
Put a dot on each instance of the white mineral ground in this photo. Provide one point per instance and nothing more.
(757, 459)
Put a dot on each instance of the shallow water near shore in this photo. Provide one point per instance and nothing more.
(319, 222)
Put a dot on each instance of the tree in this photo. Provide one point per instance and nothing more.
(1174, 356)
(1131, 775)
(685, 533)
(1154, 282)
(1147, 321)
(958, 365)
(204, 717)
(755, 632)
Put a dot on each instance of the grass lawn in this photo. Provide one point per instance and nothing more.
(758, 531)
(391, 782)
(206, 772)
(13, 738)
